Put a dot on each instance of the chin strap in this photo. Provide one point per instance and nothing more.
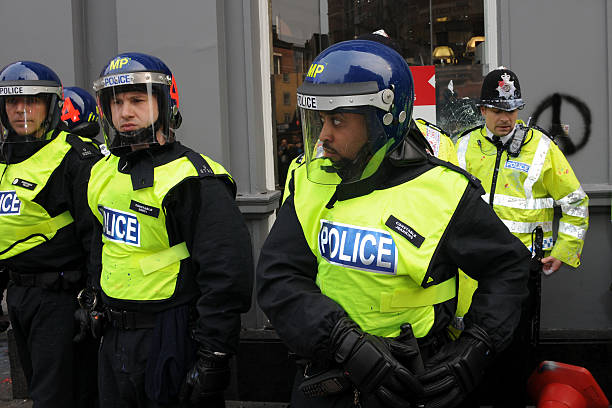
(351, 170)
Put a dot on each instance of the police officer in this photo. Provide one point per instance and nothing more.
(176, 266)
(365, 250)
(80, 116)
(80, 112)
(525, 175)
(46, 226)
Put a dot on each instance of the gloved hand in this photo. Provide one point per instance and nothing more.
(370, 366)
(207, 379)
(405, 349)
(88, 319)
(456, 370)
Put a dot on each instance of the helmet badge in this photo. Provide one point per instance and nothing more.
(506, 87)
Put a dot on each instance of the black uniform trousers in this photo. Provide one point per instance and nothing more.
(43, 325)
(125, 370)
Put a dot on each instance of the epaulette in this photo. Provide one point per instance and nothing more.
(431, 125)
(471, 178)
(300, 159)
(200, 164)
(204, 170)
(466, 132)
(84, 149)
(545, 133)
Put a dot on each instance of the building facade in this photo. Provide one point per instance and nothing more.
(238, 63)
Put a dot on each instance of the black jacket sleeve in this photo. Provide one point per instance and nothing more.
(204, 214)
(94, 263)
(77, 174)
(287, 292)
(481, 245)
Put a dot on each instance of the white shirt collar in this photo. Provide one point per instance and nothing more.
(503, 139)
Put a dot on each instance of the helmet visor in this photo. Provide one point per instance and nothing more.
(343, 145)
(133, 110)
(25, 111)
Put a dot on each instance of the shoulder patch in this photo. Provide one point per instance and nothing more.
(86, 148)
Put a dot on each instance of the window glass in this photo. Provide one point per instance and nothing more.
(445, 34)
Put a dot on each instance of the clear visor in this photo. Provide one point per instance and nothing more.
(132, 116)
(26, 117)
(342, 146)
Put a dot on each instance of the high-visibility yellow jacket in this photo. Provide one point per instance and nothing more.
(373, 264)
(441, 144)
(524, 189)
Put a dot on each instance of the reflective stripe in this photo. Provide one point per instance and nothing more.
(517, 227)
(164, 258)
(536, 165)
(462, 149)
(571, 204)
(573, 230)
(519, 202)
(574, 211)
(418, 297)
(572, 197)
(46, 227)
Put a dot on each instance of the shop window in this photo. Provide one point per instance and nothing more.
(450, 35)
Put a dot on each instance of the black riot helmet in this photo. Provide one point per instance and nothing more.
(501, 90)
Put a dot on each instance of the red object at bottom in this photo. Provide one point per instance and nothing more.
(557, 395)
(558, 385)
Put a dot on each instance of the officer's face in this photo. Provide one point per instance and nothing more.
(26, 114)
(498, 121)
(343, 135)
(133, 110)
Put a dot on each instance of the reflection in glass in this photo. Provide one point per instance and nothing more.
(446, 33)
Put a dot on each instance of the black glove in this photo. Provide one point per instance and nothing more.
(368, 363)
(456, 370)
(207, 379)
(405, 349)
(88, 319)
